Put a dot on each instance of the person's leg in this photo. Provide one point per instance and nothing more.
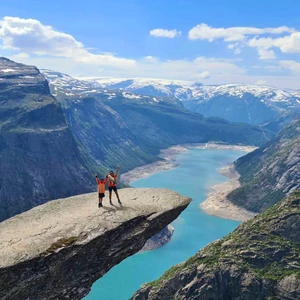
(100, 202)
(110, 192)
(117, 194)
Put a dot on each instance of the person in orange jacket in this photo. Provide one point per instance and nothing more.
(101, 188)
(112, 181)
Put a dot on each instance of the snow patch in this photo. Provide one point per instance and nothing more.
(8, 70)
(131, 96)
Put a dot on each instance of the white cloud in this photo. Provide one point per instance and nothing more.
(32, 37)
(291, 65)
(220, 70)
(202, 75)
(165, 33)
(30, 42)
(231, 34)
(150, 58)
(236, 47)
(261, 82)
(286, 44)
(273, 68)
(218, 66)
(266, 54)
(237, 51)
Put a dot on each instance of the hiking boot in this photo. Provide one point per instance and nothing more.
(119, 201)
(100, 205)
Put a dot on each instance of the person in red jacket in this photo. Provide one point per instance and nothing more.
(112, 181)
(101, 189)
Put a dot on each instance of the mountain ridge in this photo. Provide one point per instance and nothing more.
(271, 172)
(248, 103)
(150, 123)
(39, 156)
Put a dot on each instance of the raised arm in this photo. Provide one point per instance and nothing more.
(97, 179)
(117, 171)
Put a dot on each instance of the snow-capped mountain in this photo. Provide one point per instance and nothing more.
(236, 102)
(148, 86)
(254, 104)
(70, 87)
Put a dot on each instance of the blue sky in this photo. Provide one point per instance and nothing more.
(210, 41)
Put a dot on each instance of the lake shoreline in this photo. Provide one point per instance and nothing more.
(168, 155)
(215, 203)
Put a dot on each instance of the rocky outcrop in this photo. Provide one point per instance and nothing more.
(159, 239)
(40, 159)
(271, 172)
(260, 260)
(57, 250)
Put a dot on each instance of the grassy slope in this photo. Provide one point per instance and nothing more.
(267, 248)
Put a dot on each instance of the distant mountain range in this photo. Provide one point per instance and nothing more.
(252, 104)
(53, 140)
(113, 124)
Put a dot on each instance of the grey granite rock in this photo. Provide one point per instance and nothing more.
(159, 239)
(271, 172)
(57, 250)
(40, 159)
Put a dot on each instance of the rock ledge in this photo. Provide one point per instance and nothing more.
(57, 250)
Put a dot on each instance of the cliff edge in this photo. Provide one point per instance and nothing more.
(57, 250)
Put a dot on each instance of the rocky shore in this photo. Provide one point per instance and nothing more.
(216, 202)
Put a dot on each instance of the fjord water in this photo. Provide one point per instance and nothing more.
(195, 174)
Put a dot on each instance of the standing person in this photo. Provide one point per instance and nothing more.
(112, 181)
(101, 189)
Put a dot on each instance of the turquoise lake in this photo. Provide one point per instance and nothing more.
(196, 173)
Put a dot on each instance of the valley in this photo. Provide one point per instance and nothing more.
(57, 131)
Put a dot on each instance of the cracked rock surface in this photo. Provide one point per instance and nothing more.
(57, 250)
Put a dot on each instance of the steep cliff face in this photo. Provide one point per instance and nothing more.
(114, 125)
(58, 249)
(39, 157)
(271, 172)
(103, 136)
(162, 124)
(259, 260)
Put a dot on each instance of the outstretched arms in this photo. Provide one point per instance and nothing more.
(97, 179)
(117, 171)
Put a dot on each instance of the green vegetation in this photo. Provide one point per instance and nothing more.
(261, 246)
